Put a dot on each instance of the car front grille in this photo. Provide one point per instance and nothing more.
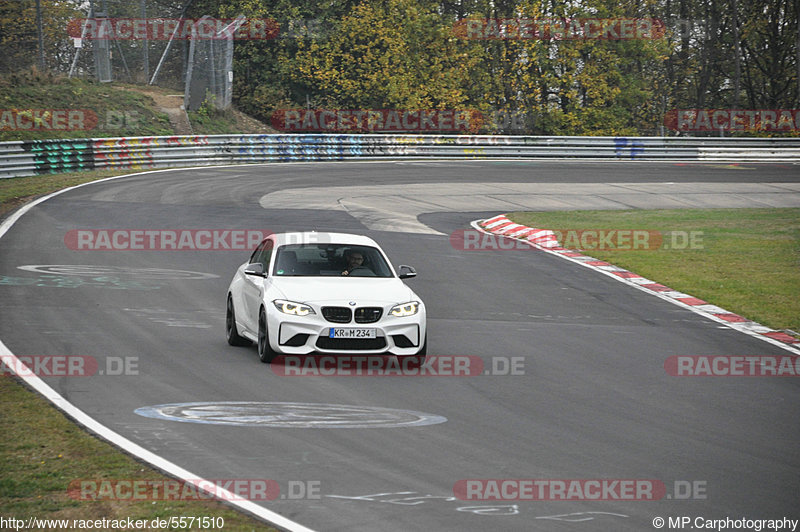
(351, 344)
(368, 314)
(337, 314)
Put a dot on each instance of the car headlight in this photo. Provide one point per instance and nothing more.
(405, 309)
(295, 309)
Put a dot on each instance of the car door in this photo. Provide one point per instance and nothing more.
(253, 286)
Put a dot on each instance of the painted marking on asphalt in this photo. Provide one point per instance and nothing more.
(289, 415)
(504, 509)
(106, 433)
(489, 509)
(397, 207)
(96, 270)
(168, 317)
(578, 517)
(61, 281)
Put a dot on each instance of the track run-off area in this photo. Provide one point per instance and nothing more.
(573, 392)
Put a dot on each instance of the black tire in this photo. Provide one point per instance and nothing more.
(230, 327)
(265, 352)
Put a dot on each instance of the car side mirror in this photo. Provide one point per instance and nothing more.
(407, 272)
(255, 268)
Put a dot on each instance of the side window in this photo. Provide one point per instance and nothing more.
(266, 254)
(257, 253)
(262, 254)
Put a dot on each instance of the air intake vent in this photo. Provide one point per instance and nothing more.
(351, 344)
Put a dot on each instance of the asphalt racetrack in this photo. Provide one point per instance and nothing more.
(590, 398)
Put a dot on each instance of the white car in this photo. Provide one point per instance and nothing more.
(331, 293)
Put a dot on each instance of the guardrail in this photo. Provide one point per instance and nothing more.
(35, 157)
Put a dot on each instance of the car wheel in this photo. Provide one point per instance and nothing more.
(230, 327)
(265, 352)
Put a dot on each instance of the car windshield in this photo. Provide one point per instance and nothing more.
(330, 260)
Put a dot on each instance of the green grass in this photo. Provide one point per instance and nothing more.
(41, 452)
(119, 112)
(748, 260)
(208, 120)
(120, 109)
(748, 263)
(17, 191)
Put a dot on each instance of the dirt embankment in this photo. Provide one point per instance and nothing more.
(170, 102)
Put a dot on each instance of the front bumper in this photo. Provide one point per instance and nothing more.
(294, 335)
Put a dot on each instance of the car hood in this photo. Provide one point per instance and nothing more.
(322, 289)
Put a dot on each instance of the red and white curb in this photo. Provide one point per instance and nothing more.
(546, 241)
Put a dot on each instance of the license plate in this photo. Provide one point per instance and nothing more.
(352, 333)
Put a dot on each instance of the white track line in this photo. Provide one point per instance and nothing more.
(120, 441)
(173, 469)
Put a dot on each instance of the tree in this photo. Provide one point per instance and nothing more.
(19, 36)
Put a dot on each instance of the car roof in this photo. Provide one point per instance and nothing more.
(313, 237)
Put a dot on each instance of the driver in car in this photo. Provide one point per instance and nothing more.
(355, 260)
